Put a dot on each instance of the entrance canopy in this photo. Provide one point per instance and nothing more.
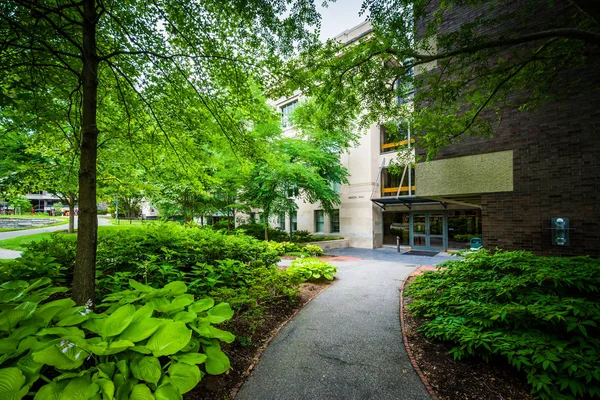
(407, 201)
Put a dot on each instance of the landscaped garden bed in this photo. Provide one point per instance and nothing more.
(507, 324)
(175, 307)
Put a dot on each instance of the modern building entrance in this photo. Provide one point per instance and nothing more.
(431, 230)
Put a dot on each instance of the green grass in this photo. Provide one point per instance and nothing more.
(19, 243)
(29, 216)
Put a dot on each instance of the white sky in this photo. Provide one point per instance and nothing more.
(339, 16)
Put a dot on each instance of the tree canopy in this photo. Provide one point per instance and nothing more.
(426, 63)
(107, 70)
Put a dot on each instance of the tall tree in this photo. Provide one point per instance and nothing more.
(205, 50)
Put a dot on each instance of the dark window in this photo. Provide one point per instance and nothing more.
(393, 136)
(294, 222)
(319, 221)
(335, 221)
(391, 182)
(281, 221)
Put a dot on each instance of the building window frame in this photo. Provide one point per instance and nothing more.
(389, 142)
(286, 111)
(391, 183)
(334, 221)
(319, 221)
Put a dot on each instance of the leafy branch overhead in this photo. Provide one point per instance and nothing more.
(450, 81)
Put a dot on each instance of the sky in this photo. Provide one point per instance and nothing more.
(339, 16)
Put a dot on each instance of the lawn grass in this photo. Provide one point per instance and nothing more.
(19, 243)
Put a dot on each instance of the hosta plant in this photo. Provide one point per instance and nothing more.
(310, 269)
(147, 344)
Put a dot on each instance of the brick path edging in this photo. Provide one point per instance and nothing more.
(404, 339)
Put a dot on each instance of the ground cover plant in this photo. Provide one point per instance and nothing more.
(173, 267)
(540, 314)
(310, 269)
(148, 342)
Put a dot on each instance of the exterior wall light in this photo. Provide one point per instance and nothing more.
(560, 231)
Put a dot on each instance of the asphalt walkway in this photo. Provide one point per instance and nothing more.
(346, 343)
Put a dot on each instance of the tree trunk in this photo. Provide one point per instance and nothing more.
(85, 258)
(71, 203)
(266, 227)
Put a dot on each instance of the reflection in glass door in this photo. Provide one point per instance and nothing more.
(429, 230)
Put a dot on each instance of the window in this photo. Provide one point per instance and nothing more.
(294, 221)
(406, 92)
(393, 136)
(292, 191)
(337, 187)
(319, 221)
(281, 221)
(335, 221)
(252, 217)
(286, 111)
(391, 182)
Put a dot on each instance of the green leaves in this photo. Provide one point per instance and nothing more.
(118, 321)
(541, 313)
(147, 369)
(217, 362)
(310, 269)
(11, 384)
(126, 342)
(169, 339)
(184, 376)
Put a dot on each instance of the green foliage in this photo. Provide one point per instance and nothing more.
(310, 270)
(288, 248)
(541, 314)
(160, 253)
(463, 237)
(257, 231)
(148, 342)
(32, 265)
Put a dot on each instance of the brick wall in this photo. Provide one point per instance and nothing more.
(556, 165)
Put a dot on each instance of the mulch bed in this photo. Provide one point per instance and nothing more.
(467, 379)
(251, 341)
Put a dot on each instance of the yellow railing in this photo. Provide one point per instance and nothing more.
(395, 189)
(396, 144)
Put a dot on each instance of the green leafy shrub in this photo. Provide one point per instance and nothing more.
(313, 250)
(159, 253)
(147, 344)
(310, 270)
(463, 237)
(541, 314)
(257, 231)
(290, 248)
(33, 265)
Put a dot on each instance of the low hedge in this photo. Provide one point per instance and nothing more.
(541, 314)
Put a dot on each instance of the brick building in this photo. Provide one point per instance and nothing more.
(540, 165)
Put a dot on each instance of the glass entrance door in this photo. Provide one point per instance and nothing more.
(428, 230)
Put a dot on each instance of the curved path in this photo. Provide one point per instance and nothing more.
(4, 253)
(346, 343)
